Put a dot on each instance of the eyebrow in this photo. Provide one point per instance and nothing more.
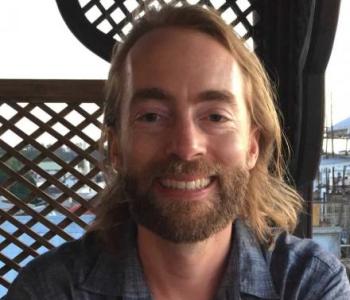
(155, 93)
(221, 95)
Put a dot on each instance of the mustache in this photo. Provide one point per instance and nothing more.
(176, 166)
(170, 167)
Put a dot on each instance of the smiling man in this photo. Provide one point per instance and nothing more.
(196, 206)
(186, 144)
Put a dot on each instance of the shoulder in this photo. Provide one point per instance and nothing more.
(302, 266)
(61, 268)
(296, 249)
(70, 255)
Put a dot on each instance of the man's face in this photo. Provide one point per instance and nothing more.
(186, 146)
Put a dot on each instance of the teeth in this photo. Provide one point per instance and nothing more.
(186, 185)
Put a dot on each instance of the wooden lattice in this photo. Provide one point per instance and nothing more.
(49, 173)
(104, 22)
(115, 18)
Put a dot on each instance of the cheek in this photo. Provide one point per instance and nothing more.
(141, 150)
(228, 150)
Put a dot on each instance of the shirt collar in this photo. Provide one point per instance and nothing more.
(119, 274)
(122, 275)
(254, 264)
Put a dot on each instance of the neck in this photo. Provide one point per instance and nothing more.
(183, 271)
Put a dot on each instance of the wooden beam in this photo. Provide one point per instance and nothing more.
(51, 90)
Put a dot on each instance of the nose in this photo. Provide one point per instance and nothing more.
(187, 142)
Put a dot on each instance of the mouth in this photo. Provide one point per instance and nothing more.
(186, 185)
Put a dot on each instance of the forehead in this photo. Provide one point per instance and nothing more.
(182, 60)
(172, 39)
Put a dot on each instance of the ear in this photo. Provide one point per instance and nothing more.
(113, 148)
(253, 148)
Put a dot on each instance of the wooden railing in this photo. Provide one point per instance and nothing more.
(49, 174)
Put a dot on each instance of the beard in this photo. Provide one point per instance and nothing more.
(185, 221)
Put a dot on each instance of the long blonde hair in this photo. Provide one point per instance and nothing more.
(270, 202)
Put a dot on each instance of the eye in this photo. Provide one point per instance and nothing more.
(217, 118)
(149, 117)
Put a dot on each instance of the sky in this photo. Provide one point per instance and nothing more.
(36, 43)
(338, 70)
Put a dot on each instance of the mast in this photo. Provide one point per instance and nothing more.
(332, 131)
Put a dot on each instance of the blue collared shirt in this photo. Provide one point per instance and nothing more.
(85, 270)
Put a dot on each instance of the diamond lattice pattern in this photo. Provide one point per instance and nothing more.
(115, 18)
(49, 177)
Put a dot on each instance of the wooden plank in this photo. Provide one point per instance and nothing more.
(51, 90)
(4, 282)
(316, 214)
(9, 262)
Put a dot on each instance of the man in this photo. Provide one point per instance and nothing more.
(195, 206)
